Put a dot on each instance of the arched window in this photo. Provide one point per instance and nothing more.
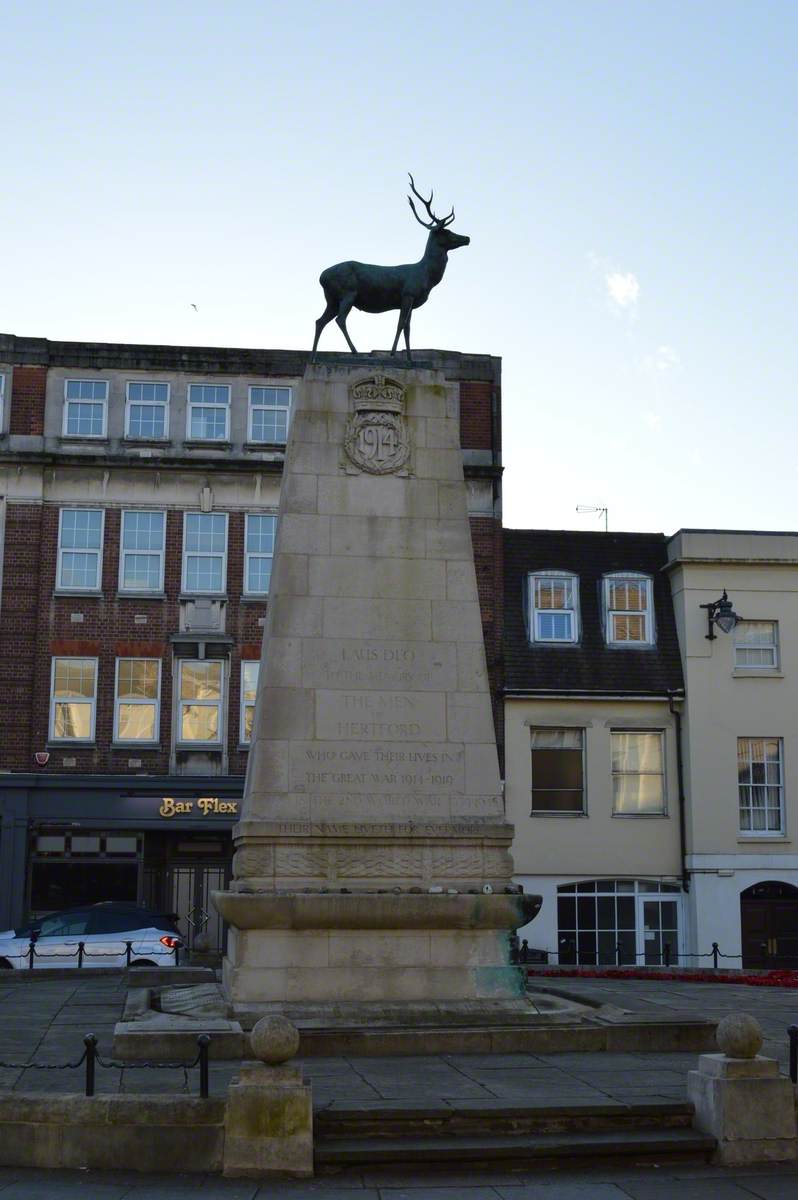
(628, 609)
(553, 606)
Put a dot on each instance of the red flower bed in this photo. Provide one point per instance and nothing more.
(779, 978)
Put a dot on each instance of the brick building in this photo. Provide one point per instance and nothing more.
(138, 493)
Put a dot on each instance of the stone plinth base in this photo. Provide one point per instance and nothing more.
(268, 1123)
(408, 948)
(747, 1105)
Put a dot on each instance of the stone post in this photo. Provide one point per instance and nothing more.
(741, 1098)
(269, 1117)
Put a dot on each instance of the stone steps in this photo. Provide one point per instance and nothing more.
(551, 1135)
(644, 1145)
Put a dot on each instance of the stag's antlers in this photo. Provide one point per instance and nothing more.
(434, 221)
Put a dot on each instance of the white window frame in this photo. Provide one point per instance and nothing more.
(218, 704)
(164, 404)
(761, 833)
(59, 587)
(192, 404)
(156, 702)
(122, 552)
(636, 577)
(255, 554)
(66, 741)
(663, 774)
(2, 403)
(205, 554)
(286, 408)
(758, 668)
(68, 401)
(555, 574)
(245, 704)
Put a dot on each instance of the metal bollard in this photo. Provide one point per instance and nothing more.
(90, 1042)
(617, 954)
(81, 947)
(715, 955)
(177, 954)
(203, 1041)
(666, 954)
(792, 1033)
(128, 952)
(31, 953)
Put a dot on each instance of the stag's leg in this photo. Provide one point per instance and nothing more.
(404, 317)
(344, 309)
(323, 320)
(407, 336)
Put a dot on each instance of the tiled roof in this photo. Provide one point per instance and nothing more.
(590, 665)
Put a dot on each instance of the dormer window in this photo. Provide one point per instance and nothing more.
(554, 607)
(628, 610)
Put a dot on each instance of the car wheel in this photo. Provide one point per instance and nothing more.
(143, 962)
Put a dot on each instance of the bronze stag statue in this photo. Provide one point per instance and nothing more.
(377, 289)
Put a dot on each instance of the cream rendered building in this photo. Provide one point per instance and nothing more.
(741, 741)
(593, 689)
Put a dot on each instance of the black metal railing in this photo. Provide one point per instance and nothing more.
(80, 953)
(91, 1060)
(792, 1034)
(522, 954)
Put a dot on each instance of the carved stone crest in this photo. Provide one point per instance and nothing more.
(377, 438)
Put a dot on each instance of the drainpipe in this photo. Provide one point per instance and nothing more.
(677, 716)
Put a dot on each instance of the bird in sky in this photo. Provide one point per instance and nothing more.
(195, 308)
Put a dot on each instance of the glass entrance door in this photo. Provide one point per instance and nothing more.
(659, 930)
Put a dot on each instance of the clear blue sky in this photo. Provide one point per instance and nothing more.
(627, 173)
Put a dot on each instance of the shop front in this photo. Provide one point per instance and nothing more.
(163, 842)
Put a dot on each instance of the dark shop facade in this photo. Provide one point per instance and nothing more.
(165, 843)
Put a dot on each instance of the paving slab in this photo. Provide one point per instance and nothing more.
(686, 1189)
(438, 1193)
(563, 1191)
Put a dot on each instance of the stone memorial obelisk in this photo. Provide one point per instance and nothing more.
(372, 855)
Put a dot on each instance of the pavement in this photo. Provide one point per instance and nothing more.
(45, 1021)
(686, 1183)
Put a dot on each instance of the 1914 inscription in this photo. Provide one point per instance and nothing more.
(382, 770)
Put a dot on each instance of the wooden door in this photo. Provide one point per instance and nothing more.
(769, 925)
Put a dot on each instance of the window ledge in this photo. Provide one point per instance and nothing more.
(639, 816)
(140, 595)
(70, 744)
(85, 439)
(570, 816)
(78, 593)
(631, 645)
(243, 747)
(135, 745)
(205, 443)
(202, 596)
(746, 840)
(184, 747)
(757, 673)
(159, 443)
(255, 598)
(264, 445)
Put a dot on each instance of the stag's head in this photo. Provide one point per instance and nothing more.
(438, 226)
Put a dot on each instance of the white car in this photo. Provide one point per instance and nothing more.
(103, 929)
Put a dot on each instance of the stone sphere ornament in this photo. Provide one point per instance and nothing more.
(739, 1036)
(274, 1040)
